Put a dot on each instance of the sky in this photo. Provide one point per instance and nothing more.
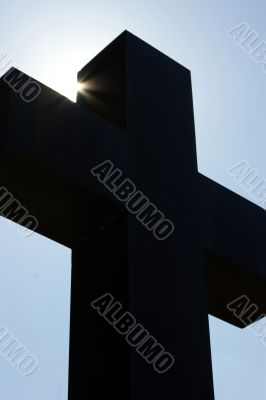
(51, 41)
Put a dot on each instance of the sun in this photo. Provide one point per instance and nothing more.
(63, 77)
(64, 81)
(68, 86)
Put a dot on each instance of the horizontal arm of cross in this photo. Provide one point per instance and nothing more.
(235, 250)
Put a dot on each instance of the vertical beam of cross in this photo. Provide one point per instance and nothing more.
(160, 282)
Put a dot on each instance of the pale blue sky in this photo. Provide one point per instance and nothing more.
(51, 40)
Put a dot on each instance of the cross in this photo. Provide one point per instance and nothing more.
(65, 162)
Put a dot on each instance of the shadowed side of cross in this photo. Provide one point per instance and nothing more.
(134, 109)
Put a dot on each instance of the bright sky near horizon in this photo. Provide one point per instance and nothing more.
(51, 41)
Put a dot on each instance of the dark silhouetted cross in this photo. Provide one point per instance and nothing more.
(134, 109)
